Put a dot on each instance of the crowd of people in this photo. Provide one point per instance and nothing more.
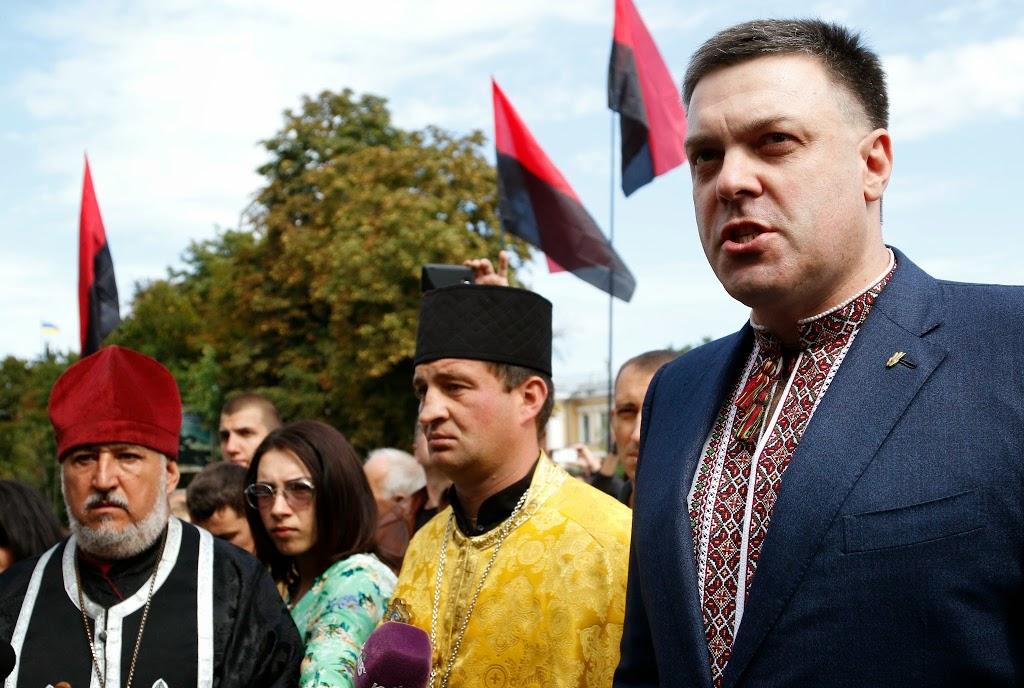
(830, 496)
(331, 531)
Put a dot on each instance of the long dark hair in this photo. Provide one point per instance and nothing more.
(346, 515)
(27, 525)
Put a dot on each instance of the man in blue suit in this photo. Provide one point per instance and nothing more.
(832, 496)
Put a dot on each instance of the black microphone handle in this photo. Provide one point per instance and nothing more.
(7, 659)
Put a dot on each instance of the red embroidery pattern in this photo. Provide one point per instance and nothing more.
(720, 502)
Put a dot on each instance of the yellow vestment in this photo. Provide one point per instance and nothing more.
(551, 610)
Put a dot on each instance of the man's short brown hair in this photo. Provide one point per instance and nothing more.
(271, 418)
(648, 361)
(217, 486)
(845, 57)
(511, 376)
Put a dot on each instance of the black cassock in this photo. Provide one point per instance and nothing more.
(215, 619)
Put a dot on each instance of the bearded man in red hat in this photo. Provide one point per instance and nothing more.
(135, 596)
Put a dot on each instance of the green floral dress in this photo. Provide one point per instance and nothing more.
(337, 615)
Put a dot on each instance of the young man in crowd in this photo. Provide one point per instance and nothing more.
(216, 502)
(244, 421)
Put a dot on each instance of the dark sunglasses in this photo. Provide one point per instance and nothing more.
(298, 494)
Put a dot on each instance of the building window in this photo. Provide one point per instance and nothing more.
(593, 426)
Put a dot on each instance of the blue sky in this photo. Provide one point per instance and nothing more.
(170, 98)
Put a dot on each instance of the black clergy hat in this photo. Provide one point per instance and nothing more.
(485, 323)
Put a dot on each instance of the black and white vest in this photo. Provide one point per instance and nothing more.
(177, 644)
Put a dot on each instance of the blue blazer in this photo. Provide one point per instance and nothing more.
(895, 555)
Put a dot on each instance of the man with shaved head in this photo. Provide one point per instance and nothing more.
(244, 421)
(627, 401)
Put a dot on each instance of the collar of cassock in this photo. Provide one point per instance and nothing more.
(108, 582)
(494, 510)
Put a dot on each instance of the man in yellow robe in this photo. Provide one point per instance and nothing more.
(521, 581)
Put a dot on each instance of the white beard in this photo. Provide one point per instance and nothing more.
(107, 542)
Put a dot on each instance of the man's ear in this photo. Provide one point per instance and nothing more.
(876, 152)
(533, 392)
(401, 502)
(173, 475)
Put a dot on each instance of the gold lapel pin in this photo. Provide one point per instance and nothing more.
(900, 357)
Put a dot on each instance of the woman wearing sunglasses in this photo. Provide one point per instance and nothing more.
(313, 520)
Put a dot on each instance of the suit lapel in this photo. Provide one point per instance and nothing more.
(672, 447)
(859, 410)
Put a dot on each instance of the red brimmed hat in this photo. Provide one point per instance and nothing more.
(116, 395)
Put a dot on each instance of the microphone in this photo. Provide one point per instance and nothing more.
(396, 655)
(7, 659)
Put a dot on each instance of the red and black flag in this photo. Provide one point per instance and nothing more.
(97, 292)
(641, 90)
(538, 205)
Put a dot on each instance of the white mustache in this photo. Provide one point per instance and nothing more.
(106, 499)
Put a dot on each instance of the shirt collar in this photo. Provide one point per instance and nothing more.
(494, 510)
(836, 323)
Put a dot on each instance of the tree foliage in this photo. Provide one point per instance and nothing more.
(27, 446)
(314, 301)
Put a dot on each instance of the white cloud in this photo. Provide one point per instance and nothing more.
(593, 163)
(955, 14)
(906, 193)
(170, 98)
(984, 268)
(666, 20)
(24, 279)
(950, 87)
(556, 100)
(833, 11)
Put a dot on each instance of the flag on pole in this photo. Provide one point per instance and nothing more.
(538, 205)
(48, 328)
(651, 116)
(97, 291)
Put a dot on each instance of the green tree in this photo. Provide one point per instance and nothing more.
(314, 302)
(27, 446)
(680, 350)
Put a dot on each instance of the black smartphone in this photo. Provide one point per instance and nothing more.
(437, 275)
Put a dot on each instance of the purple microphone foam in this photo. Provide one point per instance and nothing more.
(396, 655)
